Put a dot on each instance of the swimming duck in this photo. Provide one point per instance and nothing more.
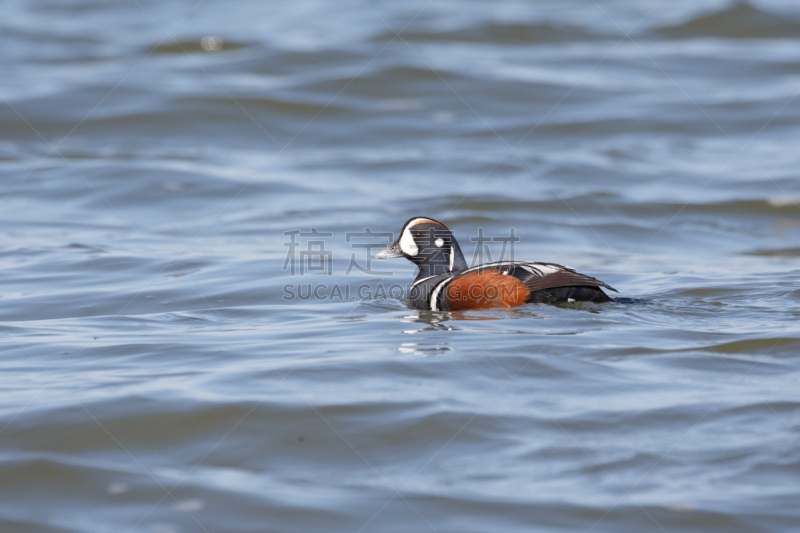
(446, 283)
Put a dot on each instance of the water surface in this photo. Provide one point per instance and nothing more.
(156, 379)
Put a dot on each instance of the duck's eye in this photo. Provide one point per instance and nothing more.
(439, 242)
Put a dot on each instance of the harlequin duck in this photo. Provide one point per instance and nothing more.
(446, 283)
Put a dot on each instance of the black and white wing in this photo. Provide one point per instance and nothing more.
(541, 276)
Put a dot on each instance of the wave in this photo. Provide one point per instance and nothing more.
(205, 44)
(739, 21)
(496, 32)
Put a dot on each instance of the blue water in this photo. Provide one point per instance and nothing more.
(157, 374)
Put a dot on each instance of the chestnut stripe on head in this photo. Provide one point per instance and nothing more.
(416, 221)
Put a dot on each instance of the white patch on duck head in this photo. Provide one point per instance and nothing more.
(452, 257)
(407, 244)
(439, 242)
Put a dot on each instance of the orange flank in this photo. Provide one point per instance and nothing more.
(482, 290)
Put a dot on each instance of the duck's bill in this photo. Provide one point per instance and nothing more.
(392, 251)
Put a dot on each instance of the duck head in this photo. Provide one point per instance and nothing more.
(428, 244)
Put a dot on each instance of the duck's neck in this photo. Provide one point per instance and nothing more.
(448, 261)
(427, 271)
